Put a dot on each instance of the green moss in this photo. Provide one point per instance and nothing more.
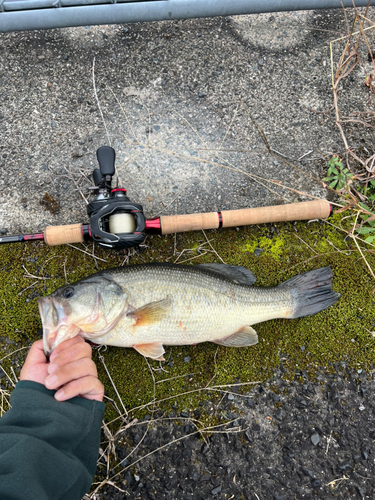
(268, 244)
(341, 333)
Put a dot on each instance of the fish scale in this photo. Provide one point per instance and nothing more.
(151, 305)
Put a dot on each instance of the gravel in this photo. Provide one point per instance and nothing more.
(299, 439)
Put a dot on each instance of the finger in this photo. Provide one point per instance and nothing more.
(72, 353)
(72, 371)
(66, 345)
(88, 387)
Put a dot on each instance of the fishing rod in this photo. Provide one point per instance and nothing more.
(116, 222)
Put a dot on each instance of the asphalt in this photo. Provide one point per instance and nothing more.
(284, 440)
(173, 98)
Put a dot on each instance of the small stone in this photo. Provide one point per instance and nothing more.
(362, 492)
(215, 491)
(202, 94)
(280, 414)
(53, 124)
(258, 251)
(205, 477)
(128, 477)
(307, 472)
(315, 439)
(280, 496)
(346, 464)
(157, 127)
(187, 359)
(303, 348)
(260, 62)
(361, 407)
(316, 483)
(137, 478)
(230, 397)
(204, 451)
(184, 414)
(365, 450)
(3, 231)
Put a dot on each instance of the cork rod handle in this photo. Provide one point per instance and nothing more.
(60, 235)
(317, 209)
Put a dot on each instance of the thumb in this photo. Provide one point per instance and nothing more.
(35, 366)
(36, 354)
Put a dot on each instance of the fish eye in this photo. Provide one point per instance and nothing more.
(68, 292)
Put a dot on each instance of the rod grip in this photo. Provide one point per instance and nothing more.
(317, 209)
(60, 235)
(190, 222)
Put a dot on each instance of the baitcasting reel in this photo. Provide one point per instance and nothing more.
(115, 222)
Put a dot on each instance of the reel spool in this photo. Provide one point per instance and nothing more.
(121, 223)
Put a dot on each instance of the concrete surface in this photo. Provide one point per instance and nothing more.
(175, 87)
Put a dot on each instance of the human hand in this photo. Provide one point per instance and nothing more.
(70, 370)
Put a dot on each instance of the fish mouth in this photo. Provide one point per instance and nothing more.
(54, 322)
(45, 305)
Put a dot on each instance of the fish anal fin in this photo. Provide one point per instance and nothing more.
(244, 337)
(153, 351)
(151, 313)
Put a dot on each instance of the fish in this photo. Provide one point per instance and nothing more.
(148, 306)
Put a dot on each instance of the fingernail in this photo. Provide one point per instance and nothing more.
(59, 394)
(52, 367)
(51, 380)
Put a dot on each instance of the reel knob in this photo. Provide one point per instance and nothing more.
(106, 157)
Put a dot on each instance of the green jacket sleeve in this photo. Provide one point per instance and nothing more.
(48, 448)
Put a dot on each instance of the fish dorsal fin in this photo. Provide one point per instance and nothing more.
(244, 337)
(154, 350)
(238, 274)
(151, 313)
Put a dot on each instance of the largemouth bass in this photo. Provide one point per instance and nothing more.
(151, 305)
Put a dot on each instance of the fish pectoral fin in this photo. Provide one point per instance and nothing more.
(244, 337)
(154, 350)
(151, 313)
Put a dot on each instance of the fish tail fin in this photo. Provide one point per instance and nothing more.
(312, 292)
